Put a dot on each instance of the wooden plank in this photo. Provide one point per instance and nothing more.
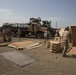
(72, 51)
(34, 47)
(13, 46)
(30, 46)
(3, 44)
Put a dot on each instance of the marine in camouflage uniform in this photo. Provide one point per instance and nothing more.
(66, 37)
(8, 34)
(4, 35)
(19, 34)
(47, 36)
(57, 33)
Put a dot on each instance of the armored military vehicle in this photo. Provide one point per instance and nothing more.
(33, 28)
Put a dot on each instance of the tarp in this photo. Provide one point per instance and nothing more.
(19, 58)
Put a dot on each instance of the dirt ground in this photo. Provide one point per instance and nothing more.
(48, 63)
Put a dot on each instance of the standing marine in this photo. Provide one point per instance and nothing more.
(66, 37)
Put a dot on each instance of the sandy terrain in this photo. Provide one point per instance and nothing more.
(48, 63)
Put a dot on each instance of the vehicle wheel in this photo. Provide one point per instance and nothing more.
(40, 35)
(13, 34)
(22, 34)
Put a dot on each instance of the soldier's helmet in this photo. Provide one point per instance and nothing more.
(67, 28)
(45, 31)
(57, 30)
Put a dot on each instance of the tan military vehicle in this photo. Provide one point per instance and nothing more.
(34, 27)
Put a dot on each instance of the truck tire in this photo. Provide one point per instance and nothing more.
(40, 35)
(13, 34)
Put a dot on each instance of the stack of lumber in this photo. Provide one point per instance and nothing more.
(25, 45)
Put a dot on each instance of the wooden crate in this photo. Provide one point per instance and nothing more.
(55, 46)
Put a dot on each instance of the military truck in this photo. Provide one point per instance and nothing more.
(33, 28)
(14, 28)
(45, 24)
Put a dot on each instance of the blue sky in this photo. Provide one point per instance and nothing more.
(61, 11)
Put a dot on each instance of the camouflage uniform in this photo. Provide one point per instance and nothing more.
(46, 36)
(19, 34)
(8, 34)
(4, 35)
(65, 36)
(57, 33)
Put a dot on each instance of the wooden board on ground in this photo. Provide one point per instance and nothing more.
(18, 44)
(21, 43)
(19, 58)
(30, 46)
(72, 51)
(3, 44)
(25, 45)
